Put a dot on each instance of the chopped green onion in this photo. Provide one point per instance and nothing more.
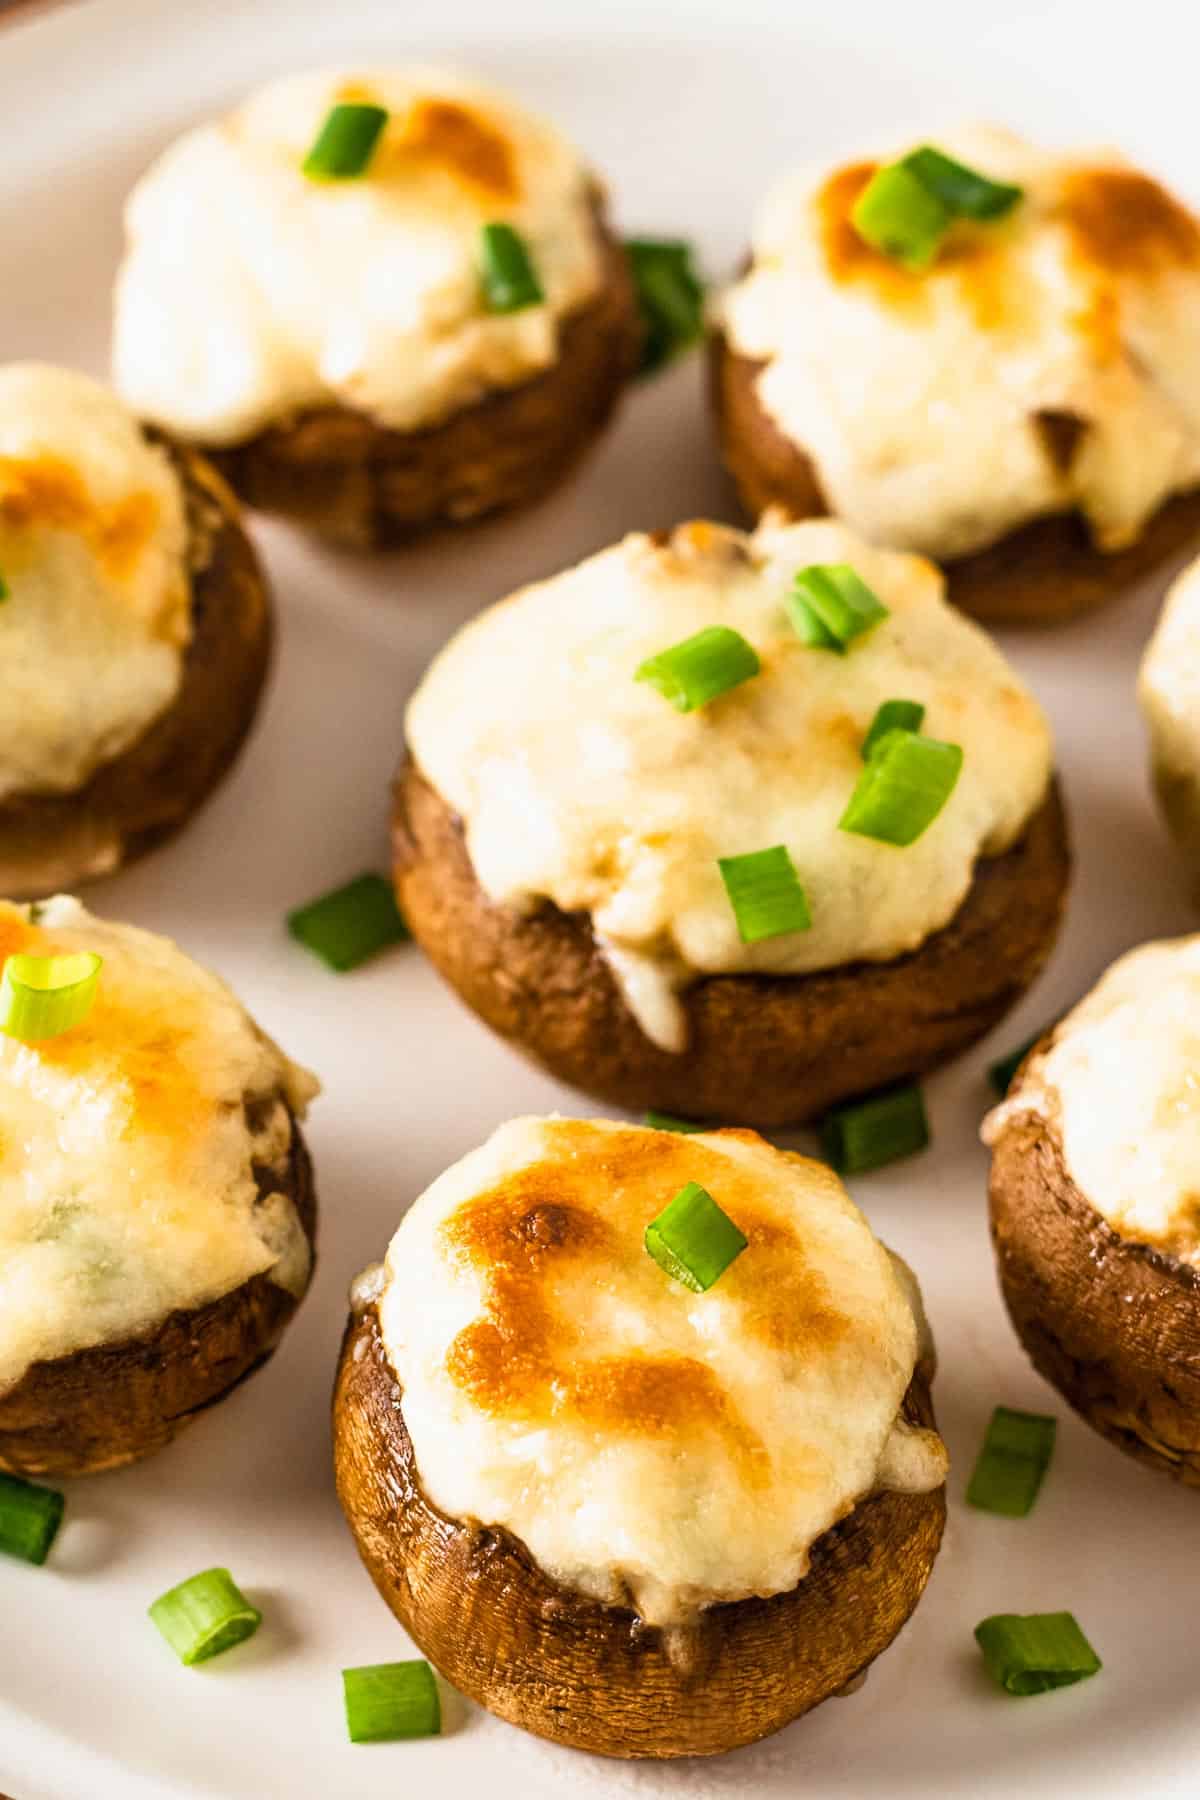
(903, 788)
(510, 283)
(204, 1616)
(866, 1134)
(898, 215)
(1015, 1456)
(1033, 1652)
(893, 715)
(668, 1122)
(43, 996)
(29, 1519)
(385, 1701)
(765, 894)
(693, 1240)
(961, 190)
(670, 298)
(4, 589)
(352, 923)
(345, 143)
(832, 605)
(1001, 1072)
(692, 673)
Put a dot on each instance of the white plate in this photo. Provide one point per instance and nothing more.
(687, 117)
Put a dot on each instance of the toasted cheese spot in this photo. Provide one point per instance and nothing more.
(16, 937)
(1124, 223)
(1098, 324)
(149, 1061)
(463, 142)
(49, 492)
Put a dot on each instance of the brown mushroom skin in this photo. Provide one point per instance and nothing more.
(55, 842)
(1042, 574)
(1113, 1324)
(336, 472)
(592, 1676)
(762, 1050)
(114, 1404)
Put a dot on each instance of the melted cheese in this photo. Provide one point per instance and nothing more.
(250, 292)
(648, 1444)
(1120, 1083)
(1169, 691)
(578, 784)
(128, 1148)
(943, 409)
(93, 546)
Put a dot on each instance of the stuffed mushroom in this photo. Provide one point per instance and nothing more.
(383, 300)
(980, 350)
(156, 1201)
(646, 1508)
(135, 631)
(696, 852)
(1095, 1216)
(1169, 691)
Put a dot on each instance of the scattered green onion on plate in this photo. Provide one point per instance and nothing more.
(907, 207)
(831, 605)
(692, 1240)
(510, 282)
(386, 1701)
(765, 893)
(1034, 1652)
(345, 143)
(893, 715)
(866, 1134)
(43, 996)
(670, 298)
(346, 927)
(29, 1519)
(902, 789)
(698, 669)
(205, 1616)
(1001, 1072)
(1012, 1462)
(658, 1121)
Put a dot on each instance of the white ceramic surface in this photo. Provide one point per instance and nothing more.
(688, 110)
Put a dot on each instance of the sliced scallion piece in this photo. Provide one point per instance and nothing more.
(1033, 1652)
(765, 894)
(29, 1519)
(893, 715)
(964, 192)
(831, 605)
(866, 1134)
(658, 1121)
(4, 589)
(670, 298)
(903, 788)
(204, 1616)
(898, 215)
(510, 282)
(350, 924)
(345, 143)
(43, 996)
(1015, 1456)
(386, 1701)
(1001, 1072)
(693, 672)
(693, 1240)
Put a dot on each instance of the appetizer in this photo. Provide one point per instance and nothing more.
(634, 1433)
(731, 826)
(1169, 691)
(980, 350)
(156, 1199)
(384, 300)
(1095, 1218)
(135, 631)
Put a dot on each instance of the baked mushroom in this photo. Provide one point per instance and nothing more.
(732, 911)
(135, 632)
(1095, 1216)
(994, 361)
(1169, 691)
(156, 1201)
(384, 301)
(641, 1513)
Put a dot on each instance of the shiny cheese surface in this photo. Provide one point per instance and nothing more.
(93, 553)
(1169, 691)
(250, 292)
(128, 1145)
(650, 1446)
(1046, 361)
(576, 783)
(1121, 1085)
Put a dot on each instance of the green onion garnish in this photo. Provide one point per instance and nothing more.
(1031, 1653)
(4, 589)
(670, 297)
(1015, 1456)
(961, 190)
(204, 1616)
(865, 1134)
(832, 605)
(29, 1519)
(692, 673)
(352, 923)
(391, 1700)
(906, 209)
(43, 996)
(668, 1122)
(510, 282)
(765, 894)
(903, 788)
(893, 715)
(345, 143)
(693, 1240)
(1001, 1072)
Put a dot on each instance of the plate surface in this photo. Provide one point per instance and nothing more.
(687, 111)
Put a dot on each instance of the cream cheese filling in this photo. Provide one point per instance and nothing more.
(1169, 692)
